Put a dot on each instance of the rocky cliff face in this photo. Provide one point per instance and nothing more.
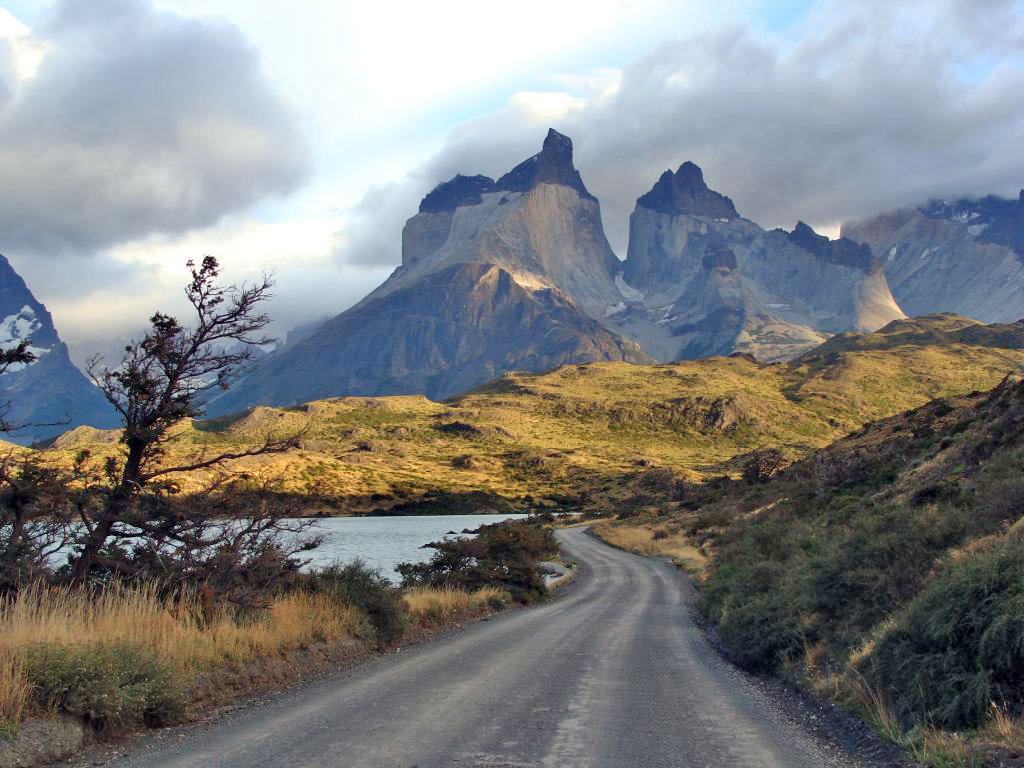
(706, 281)
(538, 221)
(965, 256)
(49, 395)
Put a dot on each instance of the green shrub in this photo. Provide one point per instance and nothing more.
(111, 687)
(502, 555)
(355, 583)
(959, 647)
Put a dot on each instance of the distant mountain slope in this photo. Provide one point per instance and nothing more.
(50, 394)
(452, 330)
(707, 281)
(965, 256)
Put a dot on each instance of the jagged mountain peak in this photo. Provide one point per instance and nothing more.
(686, 192)
(843, 251)
(552, 165)
(459, 190)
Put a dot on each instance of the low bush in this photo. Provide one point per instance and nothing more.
(503, 555)
(959, 647)
(111, 687)
(365, 588)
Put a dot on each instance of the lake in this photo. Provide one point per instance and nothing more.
(384, 542)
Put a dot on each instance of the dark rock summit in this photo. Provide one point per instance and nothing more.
(684, 192)
(552, 165)
(843, 251)
(460, 190)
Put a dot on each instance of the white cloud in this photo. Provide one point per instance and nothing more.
(871, 106)
(135, 122)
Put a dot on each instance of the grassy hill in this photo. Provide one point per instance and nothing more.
(886, 569)
(580, 435)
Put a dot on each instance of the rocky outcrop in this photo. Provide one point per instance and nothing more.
(453, 330)
(50, 395)
(965, 256)
(552, 165)
(707, 281)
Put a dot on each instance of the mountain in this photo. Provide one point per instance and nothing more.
(49, 394)
(703, 280)
(965, 256)
(495, 276)
(517, 274)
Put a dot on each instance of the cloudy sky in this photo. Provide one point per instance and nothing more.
(135, 134)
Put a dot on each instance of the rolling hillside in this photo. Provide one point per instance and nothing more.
(547, 438)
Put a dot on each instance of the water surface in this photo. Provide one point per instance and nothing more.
(384, 542)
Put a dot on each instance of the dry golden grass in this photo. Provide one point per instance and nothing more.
(443, 603)
(14, 690)
(173, 632)
(1004, 730)
(653, 540)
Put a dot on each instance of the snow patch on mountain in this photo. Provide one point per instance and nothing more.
(20, 327)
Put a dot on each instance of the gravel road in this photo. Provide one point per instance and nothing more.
(612, 673)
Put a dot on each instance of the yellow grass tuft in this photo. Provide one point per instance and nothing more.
(439, 603)
(652, 540)
(14, 691)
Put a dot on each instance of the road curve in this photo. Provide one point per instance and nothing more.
(612, 674)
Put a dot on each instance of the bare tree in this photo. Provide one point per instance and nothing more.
(129, 520)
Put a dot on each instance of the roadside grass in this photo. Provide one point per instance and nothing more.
(128, 657)
(438, 604)
(656, 540)
(14, 693)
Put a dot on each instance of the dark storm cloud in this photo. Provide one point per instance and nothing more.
(138, 122)
(876, 105)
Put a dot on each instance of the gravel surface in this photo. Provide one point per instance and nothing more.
(613, 673)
